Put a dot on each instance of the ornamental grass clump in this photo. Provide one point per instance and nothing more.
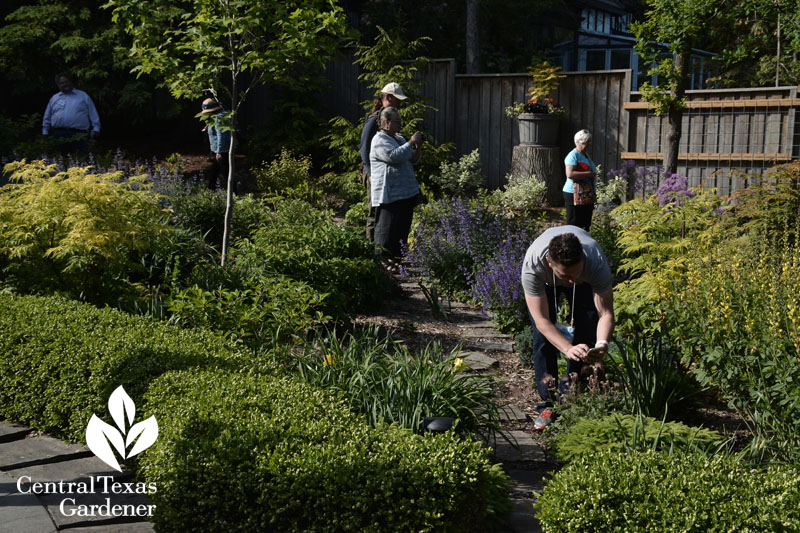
(384, 381)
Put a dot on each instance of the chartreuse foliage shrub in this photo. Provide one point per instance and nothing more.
(382, 380)
(240, 452)
(289, 177)
(61, 359)
(304, 244)
(655, 491)
(620, 432)
(77, 231)
(656, 242)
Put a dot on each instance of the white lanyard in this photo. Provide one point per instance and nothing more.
(572, 306)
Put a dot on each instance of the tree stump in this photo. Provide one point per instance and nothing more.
(544, 163)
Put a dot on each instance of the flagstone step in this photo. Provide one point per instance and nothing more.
(526, 449)
(479, 361)
(512, 413)
(11, 432)
(492, 346)
(42, 459)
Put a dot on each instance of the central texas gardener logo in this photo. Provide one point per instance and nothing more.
(127, 439)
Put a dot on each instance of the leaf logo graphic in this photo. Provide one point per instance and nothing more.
(100, 437)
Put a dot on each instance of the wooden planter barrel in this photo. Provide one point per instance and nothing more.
(538, 129)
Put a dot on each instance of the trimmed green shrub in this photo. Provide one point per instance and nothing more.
(62, 359)
(618, 432)
(304, 244)
(246, 453)
(653, 491)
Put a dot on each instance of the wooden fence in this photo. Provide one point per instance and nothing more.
(593, 100)
(728, 136)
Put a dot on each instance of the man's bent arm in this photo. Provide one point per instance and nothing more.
(604, 302)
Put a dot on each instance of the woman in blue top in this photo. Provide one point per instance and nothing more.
(576, 164)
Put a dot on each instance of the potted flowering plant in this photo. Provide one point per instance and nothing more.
(538, 117)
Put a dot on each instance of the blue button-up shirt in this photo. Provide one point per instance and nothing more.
(73, 110)
(219, 141)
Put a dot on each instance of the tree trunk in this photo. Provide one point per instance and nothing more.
(544, 163)
(675, 113)
(231, 172)
(473, 37)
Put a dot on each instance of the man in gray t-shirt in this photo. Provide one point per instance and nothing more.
(565, 260)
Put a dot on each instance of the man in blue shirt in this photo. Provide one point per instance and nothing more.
(70, 115)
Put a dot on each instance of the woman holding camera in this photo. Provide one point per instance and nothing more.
(394, 189)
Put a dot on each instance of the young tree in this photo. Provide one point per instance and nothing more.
(762, 44)
(674, 27)
(228, 47)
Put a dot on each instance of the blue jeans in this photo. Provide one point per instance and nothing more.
(545, 355)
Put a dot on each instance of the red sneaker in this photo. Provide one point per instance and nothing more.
(544, 419)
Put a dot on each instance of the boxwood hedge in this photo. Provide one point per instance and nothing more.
(256, 453)
(239, 449)
(655, 491)
(60, 360)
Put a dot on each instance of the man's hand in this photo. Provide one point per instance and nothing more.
(596, 354)
(578, 352)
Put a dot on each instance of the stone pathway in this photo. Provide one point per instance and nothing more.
(524, 461)
(43, 483)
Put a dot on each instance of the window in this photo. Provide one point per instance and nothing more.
(595, 60)
(620, 59)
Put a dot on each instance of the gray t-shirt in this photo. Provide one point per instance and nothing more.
(536, 273)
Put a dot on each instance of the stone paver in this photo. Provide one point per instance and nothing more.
(479, 361)
(492, 346)
(138, 527)
(512, 413)
(484, 333)
(526, 449)
(70, 469)
(9, 431)
(482, 324)
(37, 450)
(21, 512)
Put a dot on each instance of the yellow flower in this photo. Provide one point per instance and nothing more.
(458, 364)
(328, 360)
